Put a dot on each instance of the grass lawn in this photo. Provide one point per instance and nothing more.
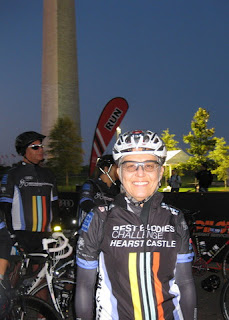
(192, 189)
(184, 189)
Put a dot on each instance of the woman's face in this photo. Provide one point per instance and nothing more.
(140, 183)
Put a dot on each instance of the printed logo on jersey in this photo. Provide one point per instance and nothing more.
(102, 209)
(80, 243)
(171, 209)
(28, 178)
(4, 179)
(86, 187)
(87, 221)
(39, 213)
(134, 236)
(3, 189)
(184, 225)
(141, 268)
(24, 183)
(101, 196)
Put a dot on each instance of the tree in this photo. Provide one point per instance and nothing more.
(221, 157)
(65, 153)
(201, 140)
(170, 143)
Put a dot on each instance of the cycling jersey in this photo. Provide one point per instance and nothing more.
(95, 192)
(30, 189)
(137, 263)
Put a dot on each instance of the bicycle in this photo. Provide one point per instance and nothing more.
(50, 273)
(26, 307)
(203, 258)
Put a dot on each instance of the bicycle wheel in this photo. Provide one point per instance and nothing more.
(29, 308)
(64, 290)
(224, 300)
(226, 265)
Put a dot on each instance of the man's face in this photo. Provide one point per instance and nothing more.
(113, 172)
(35, 156)
(140, 183)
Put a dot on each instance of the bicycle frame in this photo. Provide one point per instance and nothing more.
(48, 270)
(200, 258)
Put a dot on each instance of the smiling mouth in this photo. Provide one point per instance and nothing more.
(140, 183)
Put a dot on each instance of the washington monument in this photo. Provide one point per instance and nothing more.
(60, 91)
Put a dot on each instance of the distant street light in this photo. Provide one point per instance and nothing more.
(118, 132)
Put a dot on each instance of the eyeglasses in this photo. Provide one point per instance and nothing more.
(148, 166)
(36, 146)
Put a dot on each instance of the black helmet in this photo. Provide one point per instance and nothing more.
(211, 283)
(105, 161)
(25, 139)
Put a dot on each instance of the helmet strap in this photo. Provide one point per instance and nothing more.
(107, 174)
(35, 164)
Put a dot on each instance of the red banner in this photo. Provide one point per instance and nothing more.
(109, 120)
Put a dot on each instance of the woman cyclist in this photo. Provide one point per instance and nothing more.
(140, 247)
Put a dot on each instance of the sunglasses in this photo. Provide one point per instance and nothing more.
(148, 166)
(36, 146)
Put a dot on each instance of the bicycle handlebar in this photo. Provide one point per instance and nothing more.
(61, 247)
(67, 254)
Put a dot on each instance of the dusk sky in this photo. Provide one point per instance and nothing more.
(167, 58)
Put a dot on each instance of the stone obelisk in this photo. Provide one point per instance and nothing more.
(60, 90)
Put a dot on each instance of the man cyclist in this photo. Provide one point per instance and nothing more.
(101, 190)
(28, 195)
(140, 246)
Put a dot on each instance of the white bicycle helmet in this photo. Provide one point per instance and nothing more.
(148, 141)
